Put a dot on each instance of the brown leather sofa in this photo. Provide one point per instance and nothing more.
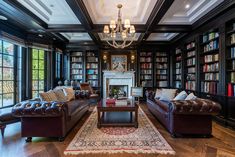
(184, 117)
(49, 119)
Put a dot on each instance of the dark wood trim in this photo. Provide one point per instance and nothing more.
(66, 28)
(172, 28)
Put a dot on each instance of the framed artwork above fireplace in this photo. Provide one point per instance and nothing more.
(119, 62)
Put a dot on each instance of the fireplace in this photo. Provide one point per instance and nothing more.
(125, 80)
(117, 91)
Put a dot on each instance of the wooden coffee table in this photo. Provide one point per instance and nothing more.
(103, 107)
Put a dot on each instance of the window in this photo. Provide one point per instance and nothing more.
(7, 85)
(38, 72)
(19, 75)
(58, 64)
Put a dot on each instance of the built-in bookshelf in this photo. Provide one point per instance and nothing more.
(161, 69)
(146, 69)
(76, 66)
(178, 68)
(230, 59)
(92, 68)
(190, 66)
(209, 55)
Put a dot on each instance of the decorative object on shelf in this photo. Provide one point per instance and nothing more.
(105, 58)
(132, 58)
(121, 37)
(66, 82)
(119, 62)
(60, 83)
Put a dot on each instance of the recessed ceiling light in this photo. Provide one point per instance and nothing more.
(2, 17)
(40, 35)
(187, 6)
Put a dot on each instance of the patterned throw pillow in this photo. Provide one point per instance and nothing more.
(191, 96)
(181, 96)
(158, 93)
(48, 96)
(69, 93)
(168, 94)
(60, 95)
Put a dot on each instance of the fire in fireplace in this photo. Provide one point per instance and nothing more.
(117, 91)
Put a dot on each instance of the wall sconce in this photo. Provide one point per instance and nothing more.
(132, 58)
(105, 58)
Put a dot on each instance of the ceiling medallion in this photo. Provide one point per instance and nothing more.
(118, 36)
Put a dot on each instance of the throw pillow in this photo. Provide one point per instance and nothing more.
(69, 93)
(60, 95)
(158, 93)
(48, 96)
(168, 94)
(191, 96)
(181, 96)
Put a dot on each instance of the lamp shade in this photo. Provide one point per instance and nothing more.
(106, 29)
(132, 29)
(112, 24)
(127, 23)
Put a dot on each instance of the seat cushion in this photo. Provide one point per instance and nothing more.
(76, 105)
(164, 105)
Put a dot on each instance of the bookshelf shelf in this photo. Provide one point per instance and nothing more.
(161, 69)
(76, 66)
(177, 76)
(92, 68)
(146, 69)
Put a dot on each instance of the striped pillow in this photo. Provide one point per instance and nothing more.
(60, 95)
(69, 93)
(48, 96)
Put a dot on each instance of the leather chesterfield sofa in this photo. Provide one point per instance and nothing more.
(184, 117)
(49, 119)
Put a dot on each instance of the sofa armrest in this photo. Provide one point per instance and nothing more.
(197, 106)
(39, 109)
(150, 94)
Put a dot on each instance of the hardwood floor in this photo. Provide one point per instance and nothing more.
(222, 144)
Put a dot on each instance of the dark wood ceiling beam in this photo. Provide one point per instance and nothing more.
(172, 28)
(66, 28)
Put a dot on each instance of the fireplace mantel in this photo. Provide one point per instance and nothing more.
(118, 78)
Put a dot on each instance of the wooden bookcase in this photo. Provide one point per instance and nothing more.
(190, 67)
(161, 70)
(209, 65)
(92, 69)
(177, 71)
(77, 66)
(146, 69)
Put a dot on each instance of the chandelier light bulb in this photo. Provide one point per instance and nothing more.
(113, 24)
(113, 35)
(127, 23)
(132, 29)
(124, 35)
(106, 29)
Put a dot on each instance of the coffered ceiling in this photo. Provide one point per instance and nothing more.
(72, 37)
(161, 36)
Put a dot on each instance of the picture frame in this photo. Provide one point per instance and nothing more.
(119, 62)
(137, 91)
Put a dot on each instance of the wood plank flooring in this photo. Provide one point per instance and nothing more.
(222, 144)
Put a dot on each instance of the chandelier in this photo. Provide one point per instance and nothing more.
(118, 36)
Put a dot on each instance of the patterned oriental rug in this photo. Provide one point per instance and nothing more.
(145, 139)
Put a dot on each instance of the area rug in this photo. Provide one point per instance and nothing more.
(144, 139)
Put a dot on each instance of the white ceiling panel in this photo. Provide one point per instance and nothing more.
(161, 36)
(188, 11)
(102, 11)
(51, 11)
(77, 36)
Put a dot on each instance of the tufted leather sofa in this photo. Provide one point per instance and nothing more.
(49, 119)
(184, 117)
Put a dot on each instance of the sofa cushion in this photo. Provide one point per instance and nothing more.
(60, 95)
(76, 105)
(168, 94)
(158, 93)
(48, 96)
(181, 96)
(69, 93)
(164, 105)
(191, 96)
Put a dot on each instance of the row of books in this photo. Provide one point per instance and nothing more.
(93, 83)
(92, 59)
(145, 59)
(146, 71)
(161, 59)
(178, 51)
(177, 71)
(92, 71)
(191, 70)
(146, 83)
(161, 65)
(232, 39)
(232, 77)
(76, 77)
(178, 84)
(161, 77)
(146, 54)
(191, 77)
(209, 87)
(92, 76)
(178, 65)
(91, 65)
(77, 53)
(178, 58)
(190, 45)
(76, 65)
(161, 83)
(161, 54)
(191, 61)
(231, 89)
(161, 71)
(191, 53)
(211, 67)
(211, 58)
(211, 46)
(76, 71)
(212, 76)
(88, 54)
(190, 85)
(210, 36)
(145, 77)
(232, 52)
(76, 59)
(178, 77)
(145, 65)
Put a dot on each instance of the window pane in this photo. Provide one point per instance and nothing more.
(8, 86)
(0, 87)
(0, 74)
(35, 54)
(41, 64)
(0, 100)
(8, 48)
(35, 64)
(35, 74)
(0, 59)
(41, 74)
(41, 54)
(8, 74)
(35, 94)
(8, 99)
(8, 61)
(41, 85)
(0, 46)
(35, 85)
